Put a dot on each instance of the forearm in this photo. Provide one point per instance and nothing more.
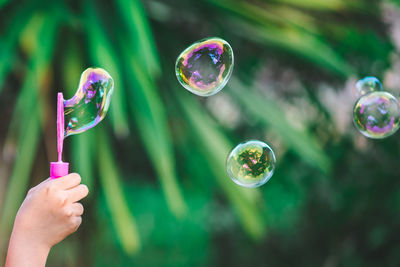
(24, 252)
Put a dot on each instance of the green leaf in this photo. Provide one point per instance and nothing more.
(103, 55)
(140, 35)
(216, 148)
(3, 2)
(326, 5)
(122, 218)
(83, 156)
(279, 30)
(151, 119)
(8, 42)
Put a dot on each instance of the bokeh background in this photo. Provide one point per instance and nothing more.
(155, 166)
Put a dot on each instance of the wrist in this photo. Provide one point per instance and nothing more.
(26, 250)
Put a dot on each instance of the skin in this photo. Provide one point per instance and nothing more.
(49, 213)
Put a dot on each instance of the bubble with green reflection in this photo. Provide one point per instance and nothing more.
(251, 163)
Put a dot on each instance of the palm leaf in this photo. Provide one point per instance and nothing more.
(8, 42)
(122, 218)
(216, 147)
(140, 36)
(260, 26)
(102, 54)
(150, 116)
(328, 5)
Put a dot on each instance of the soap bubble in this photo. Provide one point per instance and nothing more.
(368, 85)
(90, 103)
(377, 115)
(251, 163)
(204, 67)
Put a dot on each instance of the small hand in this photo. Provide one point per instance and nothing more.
(49, 213)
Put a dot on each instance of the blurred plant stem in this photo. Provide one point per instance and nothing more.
(121, 217)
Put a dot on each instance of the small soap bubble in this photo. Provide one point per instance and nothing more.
(251, 163)
(367, 85)
(377, 115)
(205, 67)
(90, 103)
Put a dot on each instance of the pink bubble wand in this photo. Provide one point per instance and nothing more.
(88, 106)
(59, 168)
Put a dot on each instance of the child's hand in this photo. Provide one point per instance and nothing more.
(49, 213)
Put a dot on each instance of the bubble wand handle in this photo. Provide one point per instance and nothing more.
(59, 168)
(60, 125)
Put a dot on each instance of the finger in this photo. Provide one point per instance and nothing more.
(77, 209)
(67, 182)
(76, 222)
(77, 193)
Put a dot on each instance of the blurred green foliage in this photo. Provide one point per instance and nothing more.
(155, 167)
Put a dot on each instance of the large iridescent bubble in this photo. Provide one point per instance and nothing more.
(205, 67)
(377, 115)
(90, 103)
(251, 163)
(367, 85)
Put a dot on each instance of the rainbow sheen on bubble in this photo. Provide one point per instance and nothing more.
(205, 67)
(367, 85)
(251, 164)
(377, 115)
(90, 103)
